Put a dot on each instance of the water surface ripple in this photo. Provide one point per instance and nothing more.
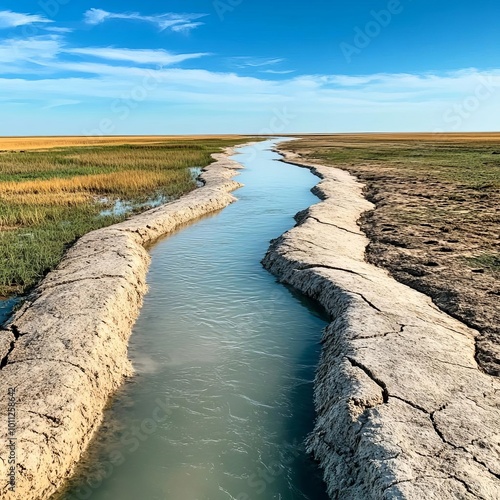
(225, 357)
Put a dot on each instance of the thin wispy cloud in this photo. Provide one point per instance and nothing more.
(32, 49)
(9, 19)
(254, 62)
(138, 56)
(55, 29)
(185, 27)
(174, 22)
(52, 53)
(58, 103)
(278, 72)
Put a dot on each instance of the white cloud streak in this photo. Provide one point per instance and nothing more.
(56, 29)
(185, 27)
(138, 56)
(57, 103)
(254, 62)
(33, 49)
(9, 19)
(175, 22)
(278, 72)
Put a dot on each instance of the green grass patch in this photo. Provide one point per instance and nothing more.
(50, 198)
(474, 166)
(489, 261)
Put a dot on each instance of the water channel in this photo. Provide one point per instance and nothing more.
(225, 359)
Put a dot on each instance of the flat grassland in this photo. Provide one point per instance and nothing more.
(436, 225)
(27, 143)
(54, 190)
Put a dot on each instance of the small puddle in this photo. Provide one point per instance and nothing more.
(195, 173)
(122, 207)
(225, 359)
(7, 307)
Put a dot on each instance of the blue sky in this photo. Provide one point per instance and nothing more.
(248, 66)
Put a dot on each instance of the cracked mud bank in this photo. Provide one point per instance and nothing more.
(65, 350)
(404, 411)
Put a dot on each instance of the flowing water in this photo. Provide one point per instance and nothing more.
(225, 355)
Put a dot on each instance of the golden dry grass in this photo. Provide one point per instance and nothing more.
(45, 199)
(116, 183)
(31, 143)
(52, 191)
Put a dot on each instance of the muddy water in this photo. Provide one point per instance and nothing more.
(225, 356)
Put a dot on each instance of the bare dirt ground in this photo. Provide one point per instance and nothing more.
(436, 225)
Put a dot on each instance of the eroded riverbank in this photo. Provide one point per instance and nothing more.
(404, 411)
(65, 350)
(435, 223)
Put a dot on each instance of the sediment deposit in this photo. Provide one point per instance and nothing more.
(404, 411)
(65, 351)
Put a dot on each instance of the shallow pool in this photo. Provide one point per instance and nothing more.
(7, 306)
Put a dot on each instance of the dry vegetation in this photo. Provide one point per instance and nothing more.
(79, 189)
(52, 196)
(27, 143)
(436, 226)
